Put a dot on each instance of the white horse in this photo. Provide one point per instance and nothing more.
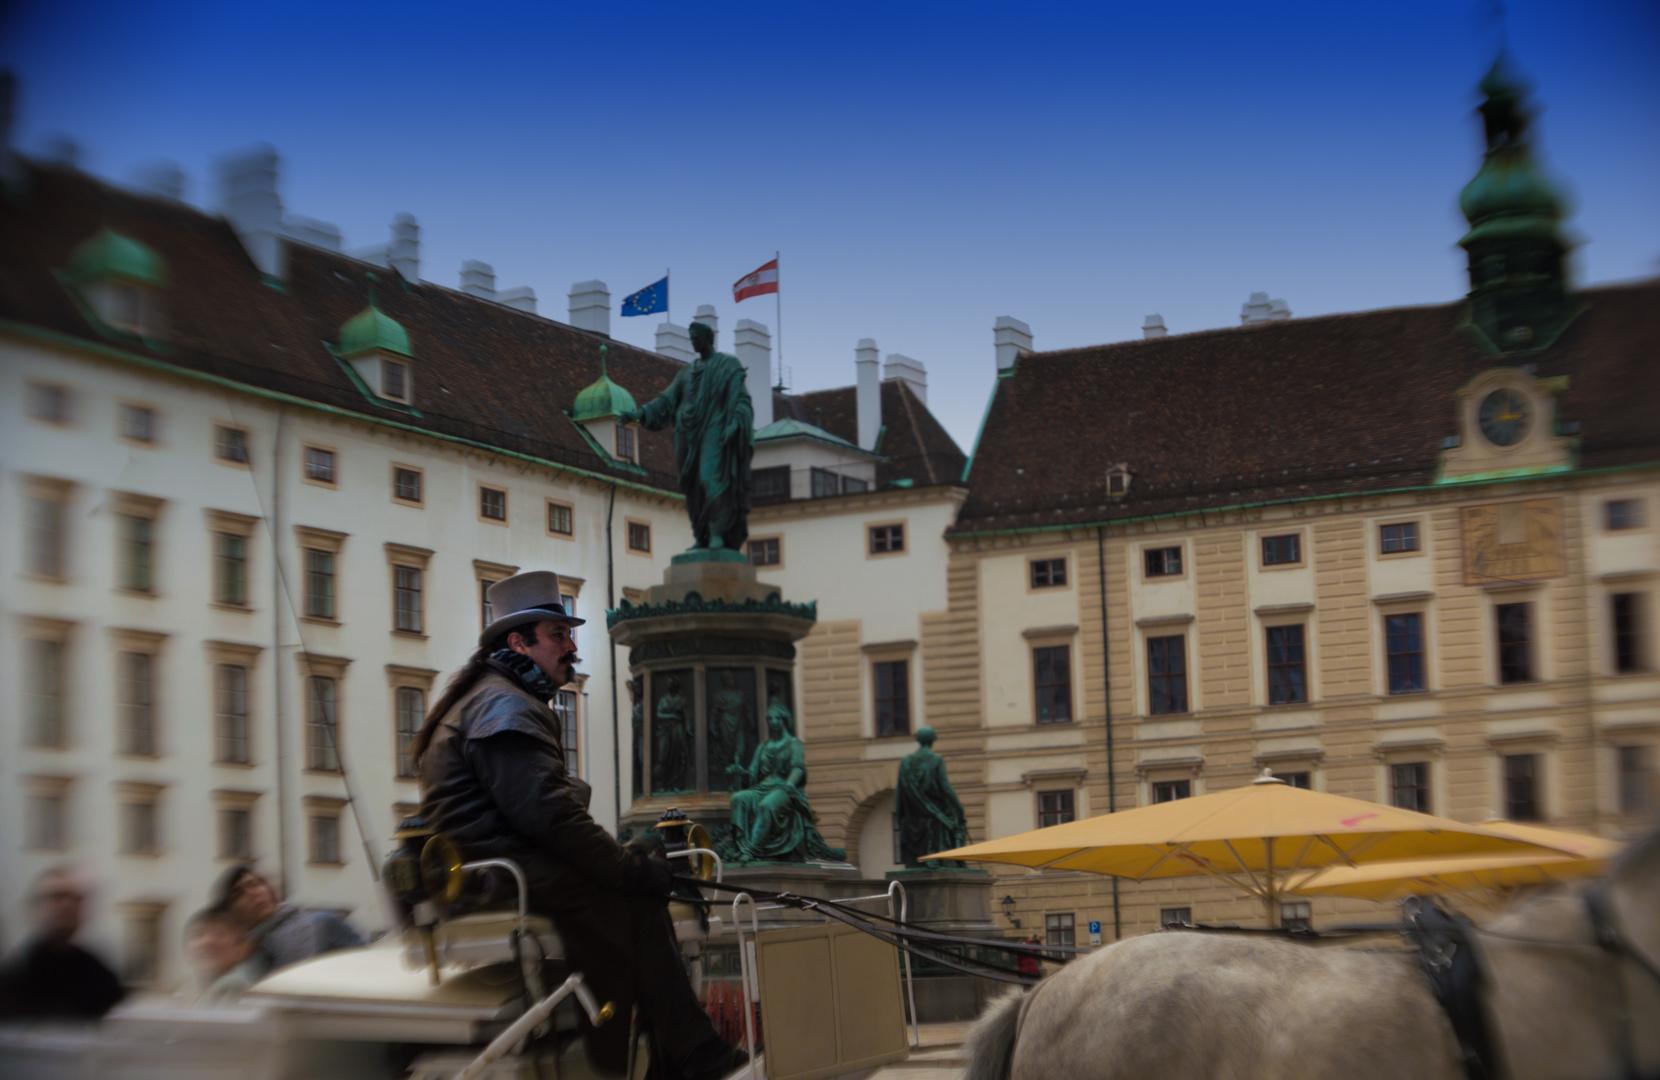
(1197, 1006)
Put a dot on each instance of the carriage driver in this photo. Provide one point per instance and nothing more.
(494, 779)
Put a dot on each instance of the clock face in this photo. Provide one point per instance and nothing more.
(1504, 417)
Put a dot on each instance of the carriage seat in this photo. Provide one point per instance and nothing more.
(481, 938)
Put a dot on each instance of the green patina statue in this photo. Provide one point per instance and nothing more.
(931, 817)
(714, 432)
(770, 814)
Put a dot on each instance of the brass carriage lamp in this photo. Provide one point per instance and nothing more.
(1008, 910)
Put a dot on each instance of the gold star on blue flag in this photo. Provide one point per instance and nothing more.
(652, 298)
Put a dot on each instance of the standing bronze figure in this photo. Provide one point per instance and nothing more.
(714, 437)
(931, 817)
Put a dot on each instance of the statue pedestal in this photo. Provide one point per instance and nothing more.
(952, 902)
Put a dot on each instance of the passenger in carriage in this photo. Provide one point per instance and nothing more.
(227, 960)
(285, 933)
(494, 779)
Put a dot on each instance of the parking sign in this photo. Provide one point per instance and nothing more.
(1094, 932)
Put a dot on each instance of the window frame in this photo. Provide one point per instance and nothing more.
(1515, 658)
(492, 489)
(124, 409)
(404, 376)
(630, 525)
(319, 813)
(1298, 541)
(333, 480)
(1422, 652)
(878, 662)
(128, 509)
(1175, 916)
(419, 500)
(232, 735)
(1421, 785)
(40, 637)
(1509, 781)
(139, 819)
(142, 948)
(1630, 652)
(403, 557)
(46, 492)
(1162, 551)
(1050, 647)
(1300, 665)
(1178, 788)
(222, 446)
(1415, 524)
(1062, 814)
(760, 494)
(777, 542)
(903, 540)
(628, 444)
(1634, 787)
(1154, 695)
(39, 792)
(1048, 561)
(332, 669)
(222, 525)
(62, 415)
(399, 678)
(570, 516)
(1632, 515)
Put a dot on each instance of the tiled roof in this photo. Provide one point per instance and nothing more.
(1286, 410)
(914, 443)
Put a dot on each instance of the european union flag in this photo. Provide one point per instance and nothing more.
(650, 299)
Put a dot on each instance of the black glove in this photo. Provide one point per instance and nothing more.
(648, 876)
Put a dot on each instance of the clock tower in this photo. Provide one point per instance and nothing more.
(1519, 299)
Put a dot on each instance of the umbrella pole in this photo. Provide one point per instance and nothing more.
(1268, 887)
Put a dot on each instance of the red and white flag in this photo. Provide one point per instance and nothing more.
(759, 283)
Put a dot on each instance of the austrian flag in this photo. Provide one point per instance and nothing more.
(759, 283)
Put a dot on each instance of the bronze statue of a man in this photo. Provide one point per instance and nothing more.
(931, 817)
(714, 437)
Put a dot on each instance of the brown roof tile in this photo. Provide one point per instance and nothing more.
(1288, 410)
(916, 446)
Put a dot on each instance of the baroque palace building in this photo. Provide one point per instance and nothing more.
(1407, 555)
(252, 490)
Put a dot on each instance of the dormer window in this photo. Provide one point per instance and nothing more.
(394, 380)
(625, 444)
(120, 280)
(1118, 481)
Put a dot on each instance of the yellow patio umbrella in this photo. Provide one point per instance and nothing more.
(1254, 837)
(1584, 856)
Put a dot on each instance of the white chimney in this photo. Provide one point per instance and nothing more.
(752, 344)
(163, 179)
(911, 371)
(675, 342)
(1153, 326)
(869, 396)
(1278, 310)
(478, 279)
(404, 253)
(590, 307)
(1261, 309)
(311, 231)
(1013, 339)
(374, 255)
(706, 315)
(248, 200)
(522, 298)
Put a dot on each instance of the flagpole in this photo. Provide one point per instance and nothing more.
(778, 295)
(668, 298)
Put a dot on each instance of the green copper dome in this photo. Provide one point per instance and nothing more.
(372, 329)
(1510, 195)
(600, 399)
(111, 255)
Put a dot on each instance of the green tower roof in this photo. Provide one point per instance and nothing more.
(1510, 196)
(111, 255)
(600, 399)
(372, 329)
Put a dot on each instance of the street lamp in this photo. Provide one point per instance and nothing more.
(1008, 910)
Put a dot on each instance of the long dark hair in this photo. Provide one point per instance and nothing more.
(461, 682)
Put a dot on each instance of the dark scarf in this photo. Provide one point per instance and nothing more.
(523, 670)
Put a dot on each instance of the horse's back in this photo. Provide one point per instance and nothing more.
(1189, 1005)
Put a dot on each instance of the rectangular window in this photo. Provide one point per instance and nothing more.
(1409, 786)
(1163, 562)
(1052, 676)
(1167, 674)
(639, 537)
(412, 710)
(319, 465)
(138, 827)
(1627, 610)
(1299, 779)
(137, 553)
(406, 485)
(1636, 794)
(486, 610)
(230, 444)
(44, 688)
(1059, 930)
(1048, 572)
(325, 838)
(1287, 669)
(322, 736)
(1056, 808)
(492, 503)
(570, 729)
(136, 695)
(1171, 790)
(141, 946)
(46, 531)
(138, 423)
(1624, 513)
(769, 485)
(319, 584)
(1521, 787)
(1282, 550)
(1175, 916)
(568, 602)
(49, 402)
(1515, 629)
(236, 833)
(406, 581)
(559, 519)
(625, 444)
(230, 714)
(765, 552)
(852, 485)
(886, 538)
(1297, 915)
(394, 382)
(1404, 644)
(47, 821)
(893, 697)
(825, 483)
(1401, 536)
(230, 569)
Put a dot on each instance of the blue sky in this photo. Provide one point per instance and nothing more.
(923, 167)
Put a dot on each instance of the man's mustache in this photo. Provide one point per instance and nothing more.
(570, 659)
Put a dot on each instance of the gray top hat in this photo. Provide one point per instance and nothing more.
(524, 599)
